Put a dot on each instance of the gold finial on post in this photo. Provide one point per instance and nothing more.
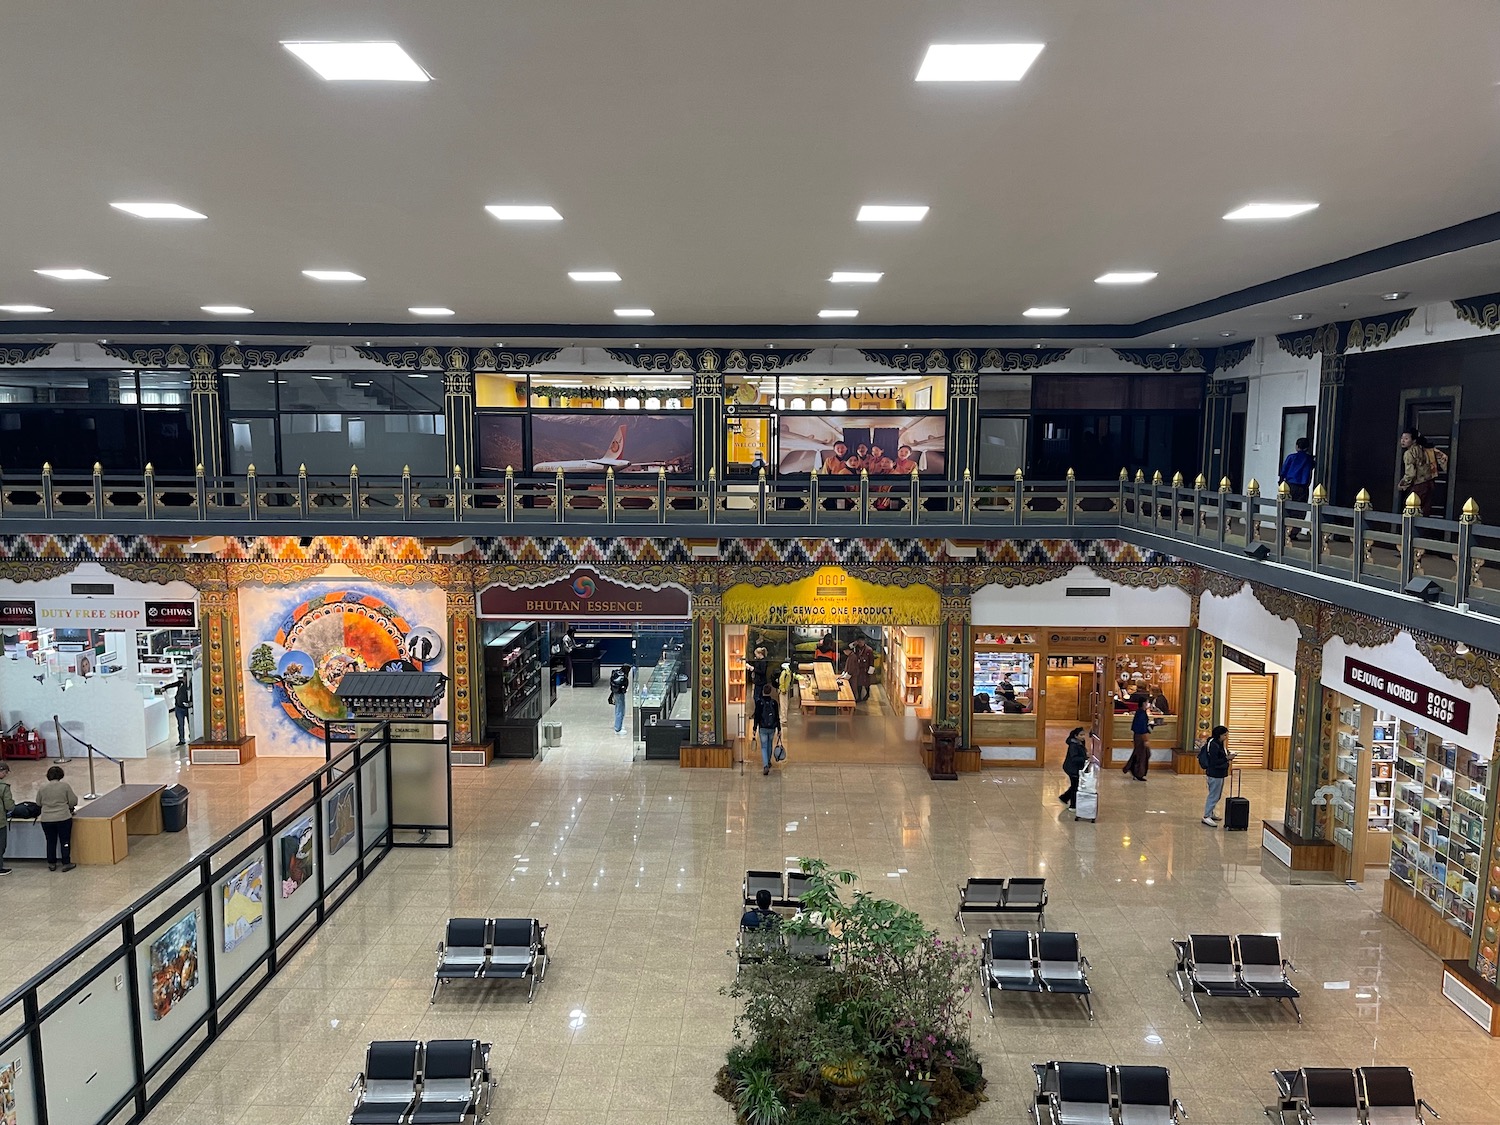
(1124, 476)
(1019, 476)
(151, 471)
(1362, 501)
(1284, 490)
(302, 470)
(968, 475)
(200, 468)
(354, 470)
(46, 468)
(1071, 475)
(405, 471)
(609, 473)
(1320, 495)
(1253, 488)
(1224, 485)
(1413, 505)
(1470, 513)
(99, 469)
(1176, 480)
(1140, 477)
(249, 469)
(1156, 477)
(1201, 483)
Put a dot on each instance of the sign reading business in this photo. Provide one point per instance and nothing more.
(1409, 695)
(582, 595)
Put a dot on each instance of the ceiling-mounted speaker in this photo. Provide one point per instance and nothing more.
(1424, 588)
(1259, 552)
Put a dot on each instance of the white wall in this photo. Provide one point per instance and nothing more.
(1048, 605)
(1243, 622)
(1276, 381)
(1284, 703)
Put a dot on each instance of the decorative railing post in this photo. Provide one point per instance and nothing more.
(510, 494)
(49, 501)
(458, 492)
(1318, 498)
(1018, 499)
(968, 512)
(713, 496)
(148, 488)
(864, 496)
(1199, 484)
(1156, 480)
(1140, 479)
(1071, 513)
(1124, 484)
(98, 491)
(201, 490)
(1223, 510)
(406, 496)
(916, 497)
(354, 502)
(1283, 494)
(815, 505)
(1466, 521)
(1409, 513)
(302, 490)
(661, 495)
(1176, 500)
(760, 500)
(252, 492)
(1357, 536)
(559, 497)
(1252, 512)
(609, 495)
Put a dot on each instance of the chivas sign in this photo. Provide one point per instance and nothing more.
(583, 595)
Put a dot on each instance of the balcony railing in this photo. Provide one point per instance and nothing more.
(1375, 549)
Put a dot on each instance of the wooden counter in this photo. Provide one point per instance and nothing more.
(826, 684)
(101, 828)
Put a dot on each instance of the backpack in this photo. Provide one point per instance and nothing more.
(784, 681)
(1203, 755)
(26, 810)
(765, 712)
(1437, 460)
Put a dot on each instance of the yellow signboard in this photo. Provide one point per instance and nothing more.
(831, 596)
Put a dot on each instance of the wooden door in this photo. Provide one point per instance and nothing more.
(1063, 701)
(1248, 702)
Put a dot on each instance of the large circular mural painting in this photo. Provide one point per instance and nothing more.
(324, 639)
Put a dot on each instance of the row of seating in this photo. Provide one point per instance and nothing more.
(1366, 1095)
(1002, 896)
(1021, 961)
(785, 887)
(440, 1082)
(1085, 1093)
(492, 949)
(755, 945)
(1247, 966)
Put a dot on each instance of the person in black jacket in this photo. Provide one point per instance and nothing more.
(1215, 758)
(1140, 726)
(1073, 765)
(766, 720)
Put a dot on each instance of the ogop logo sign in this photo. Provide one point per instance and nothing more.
(583, 586)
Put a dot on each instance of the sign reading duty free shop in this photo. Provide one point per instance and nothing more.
(1409, 695)
(98, 613)
(582, 595)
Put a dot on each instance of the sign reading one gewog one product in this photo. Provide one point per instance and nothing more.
(1419, 699)
(582, 595)
(831, 596)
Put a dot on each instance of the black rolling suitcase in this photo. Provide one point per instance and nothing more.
(1236, 808)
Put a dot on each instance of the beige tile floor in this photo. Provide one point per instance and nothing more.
(636, 867)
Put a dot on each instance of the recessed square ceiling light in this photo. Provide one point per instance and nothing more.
(333, 275)
(25, 308)
(892, 213)
(635, 312)
(838, 314)
(430, 310)
(978, 62)
(1038, 312)
(1125, 277)
(593, 275)
(854, 277)
(359, 62)
(1271, 211)
(227, 310)
(74, 275)
(524, 212)
(158, 210)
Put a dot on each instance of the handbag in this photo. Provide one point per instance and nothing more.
(778, 752)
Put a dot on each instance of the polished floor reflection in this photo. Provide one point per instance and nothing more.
(636, 867)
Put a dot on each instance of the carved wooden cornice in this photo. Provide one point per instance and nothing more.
(12, 354)
(454, 359)
(1342, 336)
(205, 357)
(708, 359)
(963, 360)
(1482, 311)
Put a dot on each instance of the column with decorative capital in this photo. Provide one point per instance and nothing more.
(207, 411)
(708, 414)
(458, 414)
(1330, 399)
(708, 668)
(466, 681)
(963, 418)
(224, 741)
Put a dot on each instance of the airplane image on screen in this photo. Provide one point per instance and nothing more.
(611, 458)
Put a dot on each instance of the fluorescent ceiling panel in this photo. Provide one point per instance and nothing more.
(158, 210)
(1041, 312)
(524, 212)
(1271, 211)
(25, 308)
(892, 213)
(333, 275)
(635, 312)
(359, 62)
(1126, 277)
(430, 310)
(73, 275)
(593, 275)
(978, 62)
(854, 277)
(227, 310)
(838, 314)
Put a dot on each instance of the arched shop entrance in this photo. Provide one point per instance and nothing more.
(811, 623)
(550, 646)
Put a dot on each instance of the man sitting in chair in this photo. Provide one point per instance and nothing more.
(760, 916)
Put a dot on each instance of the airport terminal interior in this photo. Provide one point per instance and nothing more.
(676, 564)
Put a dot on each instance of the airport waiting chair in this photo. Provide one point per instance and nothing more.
(1007, 964)
(462, 952)
(1002, 896)
(388, 1084)
(1206, 966)
(456, 1083)
(809, 947)
(756, 881)
(518, 951)
(1073, 1093)
(754, 945)
(1327, 1095)
(1389, 1096)
(796, 884)
(1062, 967)
(1264, 968)
(1144, 1096)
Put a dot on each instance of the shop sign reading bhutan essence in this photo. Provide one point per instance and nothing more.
(582, 595)
(1419, 699)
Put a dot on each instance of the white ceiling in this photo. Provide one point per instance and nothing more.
(715, 153)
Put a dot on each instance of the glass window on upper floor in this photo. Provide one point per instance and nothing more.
(836, 393)
(363, 391)
(654, 391)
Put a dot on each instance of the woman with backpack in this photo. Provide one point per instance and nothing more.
(1214, 757)
(1421, 463)
(766, 721)
(619, 691)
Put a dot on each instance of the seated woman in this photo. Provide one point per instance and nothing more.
(982, 703)
(760, 916)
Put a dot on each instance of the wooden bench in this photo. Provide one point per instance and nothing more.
(101, 828)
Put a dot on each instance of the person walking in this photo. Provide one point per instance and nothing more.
(7, 806)
(58, 801)
(1297, 470)
(766, 722)
(859, 664)
(759, 669)
(1140, 725)
(182, 703)
(1419, 469)
(1074, 762)
(1214, 758)
(619, 691)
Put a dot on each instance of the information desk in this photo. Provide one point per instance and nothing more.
(101, 828)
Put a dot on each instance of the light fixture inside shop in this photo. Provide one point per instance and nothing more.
(1043, 312)
(158, 210)
(892, 213)
(430, 310)
(593, 275)
(333, 275)
(226, 310)
(524, 212)
(635, 312)
(73, 274)
(377, 61)
(978, 62)
(1125, 277)
(25, 308)
(851, 277)
(838, 314)
(1270, 211)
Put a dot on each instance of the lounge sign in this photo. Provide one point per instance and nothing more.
(582, 595)
(1409, 695)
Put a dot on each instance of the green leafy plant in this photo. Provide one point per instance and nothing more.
(917, 1101)
(759, 1101)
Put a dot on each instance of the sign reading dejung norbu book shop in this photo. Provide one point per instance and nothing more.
(1419, 699)
(582, 595)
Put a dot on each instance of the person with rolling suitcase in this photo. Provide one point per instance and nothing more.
(1214, 757)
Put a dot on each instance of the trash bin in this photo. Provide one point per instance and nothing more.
(174, 808)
